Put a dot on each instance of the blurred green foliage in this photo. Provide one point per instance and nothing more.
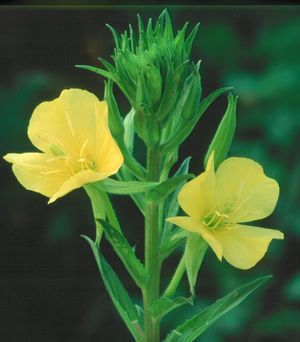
(49, 284)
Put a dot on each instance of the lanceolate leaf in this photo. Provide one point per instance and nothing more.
(194, 253)
(181, 135)
(99, 71)
(171, 209)
(224, 135)
(125, 252)
(172, 205)
(118, 293)
(162, 306)
(124, 188)
(161, 191)
(194, 327)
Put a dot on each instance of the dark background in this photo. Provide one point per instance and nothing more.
(50, 288)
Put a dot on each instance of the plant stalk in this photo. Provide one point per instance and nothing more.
(152, 257)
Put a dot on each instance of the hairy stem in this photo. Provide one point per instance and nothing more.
(152, 258)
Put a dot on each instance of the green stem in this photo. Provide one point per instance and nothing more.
(152, 257)
(172, 287)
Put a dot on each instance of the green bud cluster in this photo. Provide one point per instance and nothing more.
(154, 71)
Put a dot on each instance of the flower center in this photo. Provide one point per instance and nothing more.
(215, 219)
(72, 163)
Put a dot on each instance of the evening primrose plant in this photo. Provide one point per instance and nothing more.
(85, 142)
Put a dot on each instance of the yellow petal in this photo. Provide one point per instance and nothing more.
(197, 197)
(77, 181)
(38, 172)
(69, 122)
(243, 246)
(108, 155)
(241, 182)
(195, 226)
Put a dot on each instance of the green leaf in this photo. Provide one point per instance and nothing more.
(194, 327)
(194, 252)
(118, 293)
(186, 129)
(171, 208)
(224, 135)
(99, 207)
(190, 39)
(186, 107)
(115, 35)
(162, 306)
(114, 117)
(125, 253)
(164, 189)
(98, 71)
(124, 188)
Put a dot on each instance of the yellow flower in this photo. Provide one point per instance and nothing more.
(218, 202)
(77, 147)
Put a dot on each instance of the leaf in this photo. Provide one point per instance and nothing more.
(190, 39)
(162, 306)
(124, 188)
(194, 327)
(114, 117)
(98, 71)
(189, 125)
(118, 293)
(125, 253)
(162, 190)
(194, 253)
(172, 205)
(115, 35)
(99, 207)
(171, 208)
(224, 135)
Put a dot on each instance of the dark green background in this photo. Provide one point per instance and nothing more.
(50, 288)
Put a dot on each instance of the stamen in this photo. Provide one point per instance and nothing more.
(83, 147)
(214, 219)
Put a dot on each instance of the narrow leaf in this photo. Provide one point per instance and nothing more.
(194, 252)
(118, 293)
(124, 188)
(114, 117)
(125, 253)
(99, 71)
(190, 39)
(98, 205)
(115, 35)
(194, 327)
(183, 133)
(171, 208)
(224, 135)
(161, 191)
(162, 306)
